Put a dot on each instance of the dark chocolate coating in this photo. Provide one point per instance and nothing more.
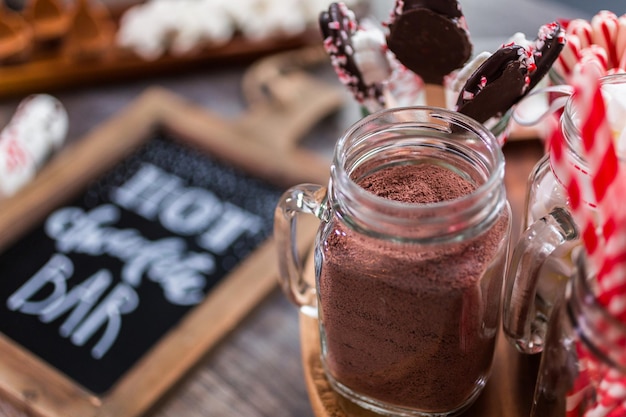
(449, 8)
(326, 17)
(548, 52)
(428, 43)
(495, 86)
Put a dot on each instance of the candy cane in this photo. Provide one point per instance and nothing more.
(593, 58)
(604, 33)
(581, 391)
(582, 30)
(604, 235)
(569, 56)
(620, 42)
(609, 184)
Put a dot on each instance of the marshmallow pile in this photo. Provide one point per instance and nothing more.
(180, 27)
(615, 99)
(600, 42)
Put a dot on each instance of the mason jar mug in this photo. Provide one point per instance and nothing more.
(410, 257)
(548, 229)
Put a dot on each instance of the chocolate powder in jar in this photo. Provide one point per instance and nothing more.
(408, 324)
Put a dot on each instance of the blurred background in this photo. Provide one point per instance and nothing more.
(266, 346)
(490, 22)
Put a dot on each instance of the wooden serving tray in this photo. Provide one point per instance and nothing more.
(71, 59)
(49, 71)
(507, 394)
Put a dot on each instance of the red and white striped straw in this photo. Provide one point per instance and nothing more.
(609, 185)
(603, 230)
(606, 242)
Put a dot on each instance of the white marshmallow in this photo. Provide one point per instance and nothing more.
(370, 55)
(615, 99)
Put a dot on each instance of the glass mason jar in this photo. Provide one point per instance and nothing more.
(548, 230)
(408, 274)
(583, 353)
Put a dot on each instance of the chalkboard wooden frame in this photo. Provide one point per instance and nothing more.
(254, 143)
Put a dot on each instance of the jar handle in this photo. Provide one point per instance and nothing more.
(527, 301)
(561, 94)
(307, 199)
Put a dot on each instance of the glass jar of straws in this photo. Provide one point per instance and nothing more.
(583, 366)
(549, 229)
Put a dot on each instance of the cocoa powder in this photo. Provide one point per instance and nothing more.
(411, 325)
(423, 184)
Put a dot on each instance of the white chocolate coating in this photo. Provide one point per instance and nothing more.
(37, 129)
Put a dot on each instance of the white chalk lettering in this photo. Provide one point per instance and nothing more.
(87, 316)
(191, 212)
(144, 192)
(76, 232)
(87, 309)
(121, 300)
(177, 278)
(124, 243)
(184, 210)
(81, 298)
(86, 232)
(55, 272)
(233, 223)
(164, 262)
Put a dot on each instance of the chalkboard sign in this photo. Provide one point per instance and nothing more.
(103, 278)
(136, 249)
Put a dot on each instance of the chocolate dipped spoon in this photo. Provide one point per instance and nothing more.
(430, 38)
(497, 84)
(509, 74)
(357, 56)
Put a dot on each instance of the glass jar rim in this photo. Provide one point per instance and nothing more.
(574, 147)
(570, 124)
(440, 129)
(437, 113)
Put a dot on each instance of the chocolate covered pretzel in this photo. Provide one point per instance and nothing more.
(546, 48)
(343, 40)
(429, 37)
